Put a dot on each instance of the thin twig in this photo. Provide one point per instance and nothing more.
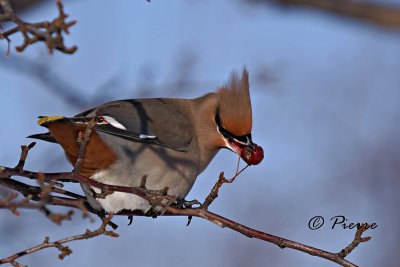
(65, 250)
(253, 233)
(82, 145)
(214, 192)
(69, 176)
(48, 32)
(221, 180)
(356, 241)
(34, 193)
(24, 155)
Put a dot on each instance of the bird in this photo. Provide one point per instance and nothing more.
(168, 140)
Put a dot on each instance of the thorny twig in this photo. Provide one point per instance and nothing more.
(56, 218)
(41, 194)
(51, 33)
(356, 241)
(64, 250)
(221, 180)
(12, 206)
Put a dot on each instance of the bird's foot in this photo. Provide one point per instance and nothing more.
(185, 204)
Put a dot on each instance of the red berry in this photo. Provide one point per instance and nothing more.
(252, 157)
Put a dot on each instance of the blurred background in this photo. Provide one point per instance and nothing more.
(325, 87)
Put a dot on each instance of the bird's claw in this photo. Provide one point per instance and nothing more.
(185, 204)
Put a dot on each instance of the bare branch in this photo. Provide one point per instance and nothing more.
(382, 14)
(156, 198)
(65, 250)
(82, 145)
(48, 32)
(214, 192)
(221, 180)
(356, 241)
(24, 155)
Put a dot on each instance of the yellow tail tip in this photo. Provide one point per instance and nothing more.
(47, 119)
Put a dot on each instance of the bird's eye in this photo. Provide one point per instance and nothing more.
(241, 139)
(244, 139)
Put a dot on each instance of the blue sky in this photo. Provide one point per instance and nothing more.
(328, 122)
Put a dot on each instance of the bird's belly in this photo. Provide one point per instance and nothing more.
(160, 174)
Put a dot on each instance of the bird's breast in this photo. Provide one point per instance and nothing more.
(162, 167)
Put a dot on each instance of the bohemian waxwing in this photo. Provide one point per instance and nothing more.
(168, 139)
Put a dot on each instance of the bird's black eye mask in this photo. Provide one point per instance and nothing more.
(244, 139)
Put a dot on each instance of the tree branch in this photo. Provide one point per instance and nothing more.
(64, 250)
(155, 198)
(386, 15)
(51, 33)
(356, 241)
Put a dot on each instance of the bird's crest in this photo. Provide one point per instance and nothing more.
(234, 104)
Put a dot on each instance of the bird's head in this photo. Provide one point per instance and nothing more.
(233, 118)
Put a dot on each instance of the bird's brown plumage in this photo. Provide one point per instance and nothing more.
(234, 105)
(139, 137)
(98, 155)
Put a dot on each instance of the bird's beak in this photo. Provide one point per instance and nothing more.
(250, 152)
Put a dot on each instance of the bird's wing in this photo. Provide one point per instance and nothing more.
(154, 121)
